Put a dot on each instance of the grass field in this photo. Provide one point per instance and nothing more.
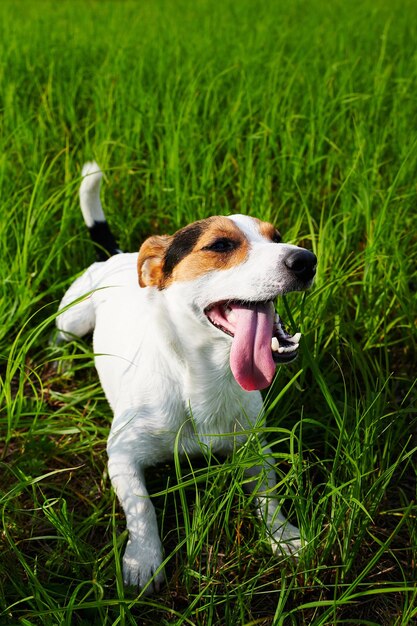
(301, 112)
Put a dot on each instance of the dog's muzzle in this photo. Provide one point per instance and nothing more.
(260, 340)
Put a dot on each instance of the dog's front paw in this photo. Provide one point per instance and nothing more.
(285, 539)
(140, 565)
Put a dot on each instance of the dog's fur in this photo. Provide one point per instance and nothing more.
(182, 338)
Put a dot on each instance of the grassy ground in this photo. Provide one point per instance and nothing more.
(303, 113)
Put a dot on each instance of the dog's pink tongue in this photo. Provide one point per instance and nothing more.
(251, 356)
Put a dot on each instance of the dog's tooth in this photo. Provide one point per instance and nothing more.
(275, 344)
(285, 349)
(296, 338)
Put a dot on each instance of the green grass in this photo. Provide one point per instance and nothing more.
(303, 113)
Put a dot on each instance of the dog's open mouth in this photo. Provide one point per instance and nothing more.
(260, 340)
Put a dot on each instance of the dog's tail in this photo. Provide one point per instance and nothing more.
(92, 210)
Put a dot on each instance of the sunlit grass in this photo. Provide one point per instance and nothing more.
(302, 113)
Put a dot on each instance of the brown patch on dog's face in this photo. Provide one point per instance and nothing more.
(269, 231)
(212, 244)
(220, 245)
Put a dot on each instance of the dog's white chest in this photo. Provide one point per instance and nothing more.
(170, 418)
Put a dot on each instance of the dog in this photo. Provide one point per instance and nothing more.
(185, 337)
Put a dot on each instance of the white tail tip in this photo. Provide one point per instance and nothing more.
(90, 169)
(90, 194)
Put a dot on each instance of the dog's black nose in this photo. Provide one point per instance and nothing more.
(302, 263)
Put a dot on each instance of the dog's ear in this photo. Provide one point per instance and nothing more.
(151, 260)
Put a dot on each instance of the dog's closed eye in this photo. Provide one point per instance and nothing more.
(222, 244)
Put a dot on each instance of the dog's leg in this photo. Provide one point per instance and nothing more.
(143, 554)
(284, 537)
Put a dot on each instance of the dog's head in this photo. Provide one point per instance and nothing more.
(229, 270)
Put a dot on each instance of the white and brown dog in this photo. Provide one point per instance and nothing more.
(185, 336)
